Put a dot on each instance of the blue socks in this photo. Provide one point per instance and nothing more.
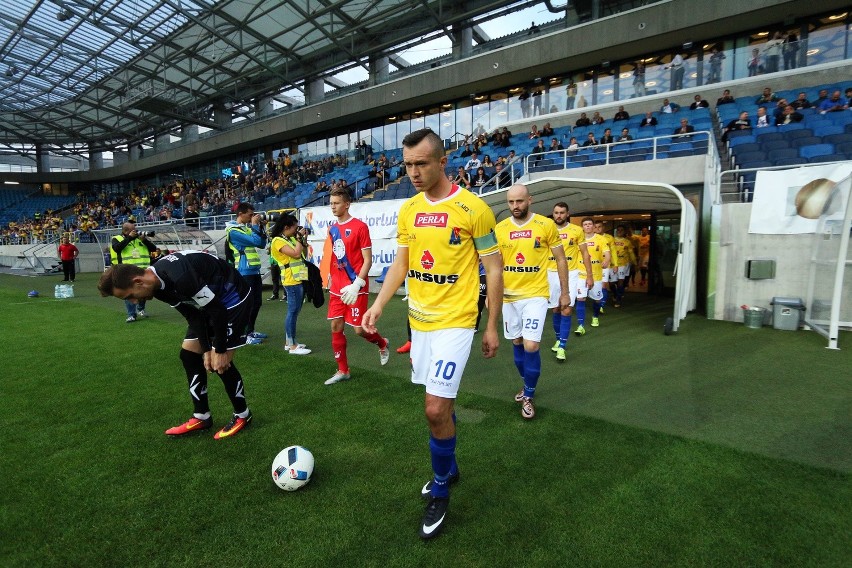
(443, 456)
(532, 371)
(564, 331)
(581, 311)
(557, 324)
(605, 296)
(596, 308)
(518, 352)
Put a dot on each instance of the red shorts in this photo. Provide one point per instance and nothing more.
(351, 314)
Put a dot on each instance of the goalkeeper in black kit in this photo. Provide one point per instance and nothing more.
(217, 303)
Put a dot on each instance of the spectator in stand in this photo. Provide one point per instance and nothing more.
(726, 98)
(191, 216)
(546, 130)
(472, 163)
(571, 95)
(669, 107)
(625, 135)
(849, 97)
(762, 120)
(788, 116)
(790, 50)
(779, 108)
(684, 128)
(590, 140)
(767, 97)
(597, 118)
(754, 66)
(466, 152)
(554, 145)
(505, 142)
(772, 52)
(649, 120)
(621, 114)
(822, 96)
(524, 99)
(698, 102)
(534, 132)
(801, 101)
(834, 104)
(741, 123)
(716, 58)
(539, 149)
(639, 79)
(462, 178)
(537, 102)
(480, 178)
(573, 144)
(607, 137)
(486, 162)
(501, 177)
(678, 70)
(583, 120)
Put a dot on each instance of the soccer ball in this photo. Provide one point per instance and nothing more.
(292, 468)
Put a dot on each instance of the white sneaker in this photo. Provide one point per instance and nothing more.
(384, 354)
(404, 298)
(299, 351)
(130, 319)
(141, 314)
(337, 377)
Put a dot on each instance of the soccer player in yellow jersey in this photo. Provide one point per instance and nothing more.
(598, 254)
(626, 259)
(527, 241)
(443, 233)
(610, 272)
(644, 244)
(576, 256)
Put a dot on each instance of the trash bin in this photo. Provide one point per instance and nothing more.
(753, 316)
(787, 313)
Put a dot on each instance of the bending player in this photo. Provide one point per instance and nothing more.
(217, 303)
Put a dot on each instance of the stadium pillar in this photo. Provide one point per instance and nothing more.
(462, 41)
(379, 70)
(263, 106)
(221, 116)
(190, 132)
(42, 159)
(96, 159)
(162, 142)
(315, 91)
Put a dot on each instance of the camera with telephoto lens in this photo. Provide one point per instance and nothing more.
(147, 234)
(270, 217)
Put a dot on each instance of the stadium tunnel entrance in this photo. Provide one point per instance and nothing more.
(671, 218)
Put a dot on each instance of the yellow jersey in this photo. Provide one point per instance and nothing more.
(571, 236)
(596, 245)
(445, 240)
(610, 245)
(624, 251)
(526, 251)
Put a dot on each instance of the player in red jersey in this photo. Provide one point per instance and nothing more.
(352, 256)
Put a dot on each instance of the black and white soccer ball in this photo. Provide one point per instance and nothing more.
(292, 468)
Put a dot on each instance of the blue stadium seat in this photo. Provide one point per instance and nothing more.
(776, 155)
(827, 158)
(789, 161)
(828, 129)
(750, 157)
(776, 144)
(837, 139)
(798, 133)
(807, 141)
(816, 150)
(749, 147)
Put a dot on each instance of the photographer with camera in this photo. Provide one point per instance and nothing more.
(132, 247)
(243, 238)
(288, 248)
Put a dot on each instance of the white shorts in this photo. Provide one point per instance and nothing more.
(610, 275)
(438, 359)
(623, 271)
(524, 318)
(596, 292)
(553, 282)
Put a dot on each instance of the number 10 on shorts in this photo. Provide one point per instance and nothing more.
(445, 370)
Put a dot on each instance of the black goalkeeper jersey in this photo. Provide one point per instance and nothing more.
(204, 289)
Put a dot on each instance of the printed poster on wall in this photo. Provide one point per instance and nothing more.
(790, 202)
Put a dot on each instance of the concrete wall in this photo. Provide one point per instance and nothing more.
(791, 253)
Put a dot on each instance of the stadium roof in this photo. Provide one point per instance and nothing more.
(108, 71)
